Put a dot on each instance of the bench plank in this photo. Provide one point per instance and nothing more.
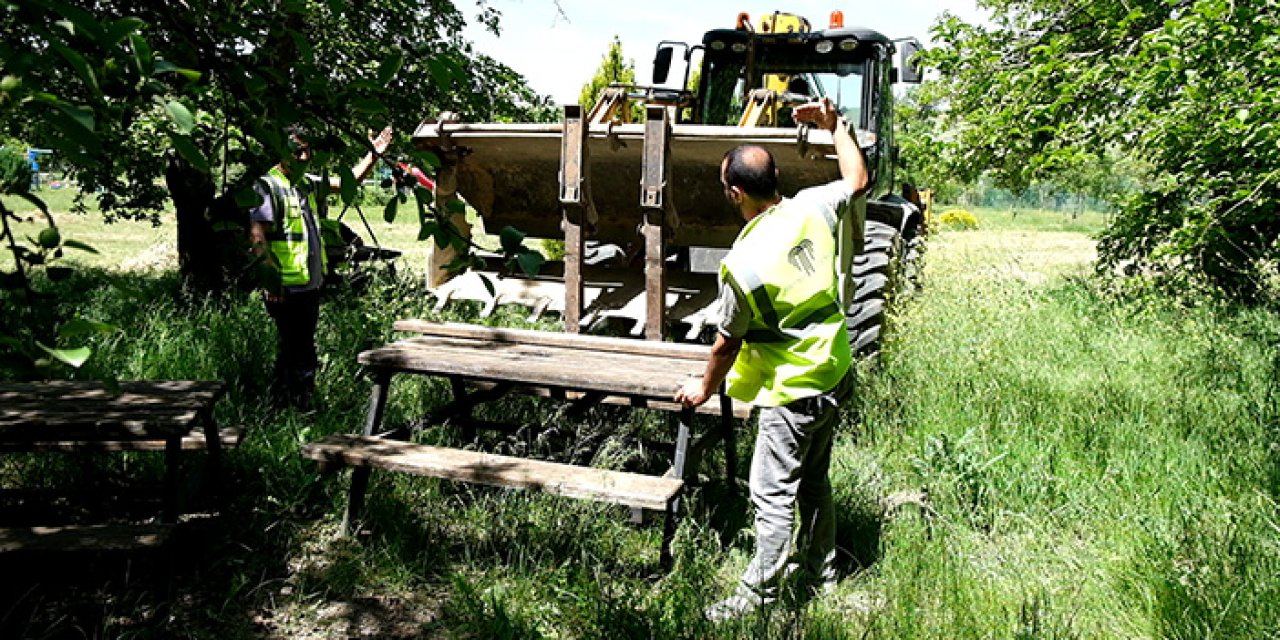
(617, 487)
(29, 410)
(230, 437)
(579, 369)
(84, 538)
(555, 339)
(741, 410)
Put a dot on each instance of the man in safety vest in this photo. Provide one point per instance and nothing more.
(783, 346)
(286, 230)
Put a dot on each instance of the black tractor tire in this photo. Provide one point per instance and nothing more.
(874, 276)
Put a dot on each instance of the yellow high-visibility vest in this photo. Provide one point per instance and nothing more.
(288, 238)
(796, 345)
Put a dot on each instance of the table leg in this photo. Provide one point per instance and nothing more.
(669, 534)
(172, 469)
(213, 442)
(730, 439)
(460, 397)
(360, 475)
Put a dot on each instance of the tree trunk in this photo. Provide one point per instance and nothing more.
(199, 259)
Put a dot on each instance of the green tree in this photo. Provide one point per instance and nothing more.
(128, 92)
(614, 69)
(1189, 89)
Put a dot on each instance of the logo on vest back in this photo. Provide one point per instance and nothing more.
(801, 257)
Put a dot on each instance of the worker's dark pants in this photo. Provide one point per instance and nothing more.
(294, 378)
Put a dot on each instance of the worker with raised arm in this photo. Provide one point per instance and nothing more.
(782, 345)
(285, 229)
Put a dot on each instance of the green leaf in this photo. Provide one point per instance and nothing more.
(390, 67)
(164, 66)
(439, 72)
(511, 238)
(78, 327)
(181, 116)
(76, 244)
(81, 116)
(350, 185)
(424, 195)
(143, 60)
(455, 206)
(9, 83)
(50, 238)
(121, 28)
(530, 262)
(188, 150)
(429, 158)
(84, 22)
(389, 212)
(488, 284)
(427, 229)
(81, 67)
(72, 357)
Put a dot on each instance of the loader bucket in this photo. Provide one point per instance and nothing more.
(510, 174)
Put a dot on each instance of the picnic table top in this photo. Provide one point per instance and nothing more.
(94, 411)
(618, 366)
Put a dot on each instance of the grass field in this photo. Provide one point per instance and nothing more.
(1096, 467)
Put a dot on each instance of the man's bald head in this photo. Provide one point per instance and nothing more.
(751, 168)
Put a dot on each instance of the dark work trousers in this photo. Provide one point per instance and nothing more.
(294, 378)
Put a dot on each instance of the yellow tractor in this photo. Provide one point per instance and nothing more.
(639, 204)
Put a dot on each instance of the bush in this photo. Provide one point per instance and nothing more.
(958, 219)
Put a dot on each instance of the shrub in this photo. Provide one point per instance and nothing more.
(958, 219)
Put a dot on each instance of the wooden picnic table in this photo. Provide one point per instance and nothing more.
(484, 363)
(134, 416)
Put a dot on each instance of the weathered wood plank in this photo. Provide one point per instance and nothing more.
(230, 437)
(556, 339)
(602, 485)
(147, 408)
(619, 373)
(741, 410)
(84, 538)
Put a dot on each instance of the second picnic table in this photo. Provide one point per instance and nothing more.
(484, 363)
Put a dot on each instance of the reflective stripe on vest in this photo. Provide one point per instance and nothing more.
(796, 345)
(288, 238)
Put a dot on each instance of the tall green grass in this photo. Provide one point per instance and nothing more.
(1096, 468)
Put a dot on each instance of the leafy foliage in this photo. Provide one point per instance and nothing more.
(614, 69)
(127, 93)
(1189, 88)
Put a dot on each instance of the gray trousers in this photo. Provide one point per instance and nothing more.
(790, 464)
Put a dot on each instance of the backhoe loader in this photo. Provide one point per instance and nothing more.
(639, 204)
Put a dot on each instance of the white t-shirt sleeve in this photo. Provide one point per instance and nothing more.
(735, 314)
(831, 201)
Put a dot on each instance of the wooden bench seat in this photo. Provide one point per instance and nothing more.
(616, 487)
(102, 537)
(230, 437)
(594, 344)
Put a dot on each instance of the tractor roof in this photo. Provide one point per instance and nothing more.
(736, 35)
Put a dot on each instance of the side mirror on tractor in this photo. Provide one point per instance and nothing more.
(911, 71)
(663, 57)
(662, 63)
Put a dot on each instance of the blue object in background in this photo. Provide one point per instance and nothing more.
(34, 156)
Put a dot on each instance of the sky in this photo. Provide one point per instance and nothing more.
(558, 53)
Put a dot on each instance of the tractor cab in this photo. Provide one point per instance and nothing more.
(753, 75)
